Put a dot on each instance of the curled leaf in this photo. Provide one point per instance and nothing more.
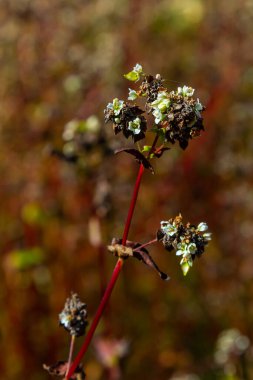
(145, 257)
(138, 156)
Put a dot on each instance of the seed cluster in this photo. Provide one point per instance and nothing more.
(183, 120)
(127, 119)
(74, 316)
(151, 86)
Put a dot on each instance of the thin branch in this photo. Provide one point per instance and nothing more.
(71, 349)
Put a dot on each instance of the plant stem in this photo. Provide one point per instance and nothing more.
(71, 349)
(112, 281)
(97, 317)
(146, 244)
(132, 204)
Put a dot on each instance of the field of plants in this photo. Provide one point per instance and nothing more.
(65, 194)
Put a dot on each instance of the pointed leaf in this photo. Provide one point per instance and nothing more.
(144, 256)
(138, 156)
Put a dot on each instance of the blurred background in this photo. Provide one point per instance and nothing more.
(65, 196)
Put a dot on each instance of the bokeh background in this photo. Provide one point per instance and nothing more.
(63, 60)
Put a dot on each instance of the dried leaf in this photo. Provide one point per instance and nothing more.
(131, 250)
(121, 251)
(138, 156)
(60, 368)
(145, 257)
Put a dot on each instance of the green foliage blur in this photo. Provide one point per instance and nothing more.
(64, 60)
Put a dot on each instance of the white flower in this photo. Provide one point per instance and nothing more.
(132, 94)
(64, 319)
(198, 105)
(135, 126)
(202, 227)
(137, 68)
(186, 250)
(182, 250)
(116, 106)
(207, 236)
(162, 101)
(168, 228)
(192, 248)
(158, 115)
(185, 91)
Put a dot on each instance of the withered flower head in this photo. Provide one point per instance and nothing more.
(126, 119)
(151, 86)
(188, 240)
(74, 316)
(178, 115)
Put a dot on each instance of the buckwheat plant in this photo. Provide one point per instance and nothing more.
(176, 117)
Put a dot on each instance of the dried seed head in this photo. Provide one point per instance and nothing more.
(151, 86)
(183, 120)
(126, 119)
(74, 316)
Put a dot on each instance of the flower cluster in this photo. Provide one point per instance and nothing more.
(127, 119)
(188, 240)
(74, 316)
(177, 115)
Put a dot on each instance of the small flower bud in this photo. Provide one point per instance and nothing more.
(202, 227)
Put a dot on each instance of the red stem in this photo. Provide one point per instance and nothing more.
(132, 205)
(112, 281)
(97, 317)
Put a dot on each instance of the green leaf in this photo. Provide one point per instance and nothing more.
(133, 76)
